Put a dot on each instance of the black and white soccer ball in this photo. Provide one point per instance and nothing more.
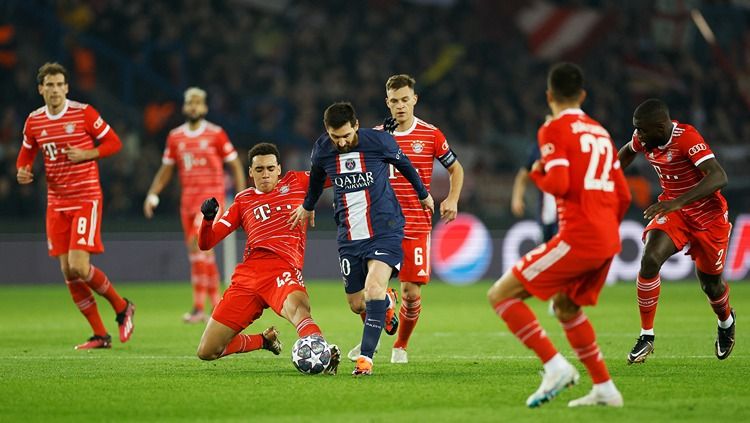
(311, 354)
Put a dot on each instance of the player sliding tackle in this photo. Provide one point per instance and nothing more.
(270, 274)
(369, 218)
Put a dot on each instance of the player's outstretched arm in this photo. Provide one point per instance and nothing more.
(161, 179)
(554, 180)
(211, 232)
(715, 179)
(626, 155)
(517, 202)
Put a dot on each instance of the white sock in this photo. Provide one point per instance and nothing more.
(726, 323)
(647, 331)
(607, 388)
(558, 362)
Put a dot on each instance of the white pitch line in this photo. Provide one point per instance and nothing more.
(254, 358)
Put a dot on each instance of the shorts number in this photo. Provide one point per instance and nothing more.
(597, 146)
(718, 262)
(418, 256)
(285, 278)
(346, 267)
(81, 229)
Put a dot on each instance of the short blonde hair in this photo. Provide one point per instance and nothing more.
(195, 91)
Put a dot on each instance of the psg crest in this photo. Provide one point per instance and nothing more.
(349, 164)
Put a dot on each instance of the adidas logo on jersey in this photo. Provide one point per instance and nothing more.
(44, 133)
(422, 273)
(81, 241)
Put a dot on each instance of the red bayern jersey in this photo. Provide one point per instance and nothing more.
(589, 212)
(422, 143)
(676, 163)
(77, 126)
(199, 156)
(264, 217)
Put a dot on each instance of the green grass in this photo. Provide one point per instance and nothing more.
(464, 365)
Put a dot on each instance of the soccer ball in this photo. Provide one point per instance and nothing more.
(311, 354)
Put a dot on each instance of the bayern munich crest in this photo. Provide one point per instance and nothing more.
(70, 127)
(417, 146)
(284, 189)
(669, 156)
(349, 164)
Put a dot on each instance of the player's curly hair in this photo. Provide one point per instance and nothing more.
(51, 68)
(262, 149)
(338, 114)
(399, 81)
(565, 80)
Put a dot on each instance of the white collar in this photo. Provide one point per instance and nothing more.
(408, 131)
(662, 147)
(59, 115)
(194, 133)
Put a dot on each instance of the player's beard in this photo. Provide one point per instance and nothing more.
(347, 148)
(195, 119)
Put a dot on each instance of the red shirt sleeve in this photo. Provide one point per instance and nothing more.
(170, 155)
(555, 178)
(692, 144)
(109, 142)
(29, 148)
(635, 144)
(224, 147)
(212, 232)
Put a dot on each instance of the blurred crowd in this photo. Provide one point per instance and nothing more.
(271, 68)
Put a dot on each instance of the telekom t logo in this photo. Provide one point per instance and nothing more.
(738, 258)
(262, 213)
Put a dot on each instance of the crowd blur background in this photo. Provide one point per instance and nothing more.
(272, 66)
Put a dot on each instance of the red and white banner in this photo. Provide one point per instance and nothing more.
(554, 32)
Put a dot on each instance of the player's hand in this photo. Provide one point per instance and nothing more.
(149, 204)
(448, 210)
(300, 216)
(24, 175)
(661, 208)
(210, 208)
(390, 125)
(78, 155)
(428, 203)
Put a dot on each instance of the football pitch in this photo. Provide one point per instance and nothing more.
(464, 364)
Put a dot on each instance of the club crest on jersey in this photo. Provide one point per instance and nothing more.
(669, 156)
(417, 146)
(204, 144)
(651, 155)
(349, 164)
(70, 127)
(661, 220)
(284, 189)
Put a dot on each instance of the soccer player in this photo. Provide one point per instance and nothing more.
(369, 218)
(579, 167)
(690, 211)
(198, 149)
(65, 130)
(270, 274)
(422, 143)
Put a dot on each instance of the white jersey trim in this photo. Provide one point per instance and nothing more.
(233, 155)
(103, 133)
(408, 131)
(556, 162)
(59, 115)
(704, 158)
(356, 216)
(197, 132)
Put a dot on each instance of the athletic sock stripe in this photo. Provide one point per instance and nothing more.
(502, 306)
(536, 330)
(86, 303)
(570, 324)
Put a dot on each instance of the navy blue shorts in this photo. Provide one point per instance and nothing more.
(354, 255)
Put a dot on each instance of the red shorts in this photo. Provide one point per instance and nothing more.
(415, 267)
(555, 267)
(708, 247)
(74, 225)
(262, 281)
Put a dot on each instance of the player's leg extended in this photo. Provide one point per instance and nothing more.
(198, 282)
(84, 300)
(296, 310)
(376, 283)
(582, 338)
(411, 307)
(506, 297)
(659, 247)
(717, 291)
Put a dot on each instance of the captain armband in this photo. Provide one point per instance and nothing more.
(448, 159)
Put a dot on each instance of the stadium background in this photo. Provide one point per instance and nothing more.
(271, 67)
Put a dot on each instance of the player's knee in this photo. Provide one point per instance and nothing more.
(206, 353)
(495, 294)
(357, 307)
(651, 264)
(78, 270)
(410, 292)
(565, 309)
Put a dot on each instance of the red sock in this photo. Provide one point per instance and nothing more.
(212, 278)
(522, 322)
(86, 303)
(721, 304)
(408, 316)
(100, 283)
(648, 297)
(307, 327)
(243, 343)
(196, 280)
(581, 337)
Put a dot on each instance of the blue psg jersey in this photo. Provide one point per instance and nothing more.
(365, 204)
